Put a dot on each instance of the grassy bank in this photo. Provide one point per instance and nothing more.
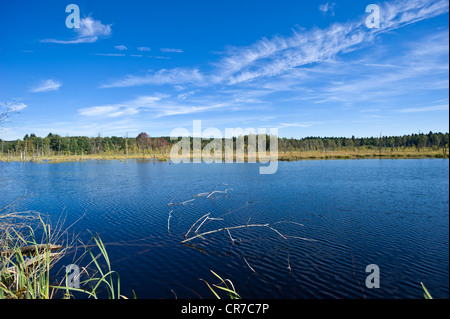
(407, 153)
(282, 155)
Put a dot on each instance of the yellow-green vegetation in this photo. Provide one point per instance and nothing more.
(225, 285)
(403, 153)
(78, 158)
(30, 251)
(363, 153)
(426, 294)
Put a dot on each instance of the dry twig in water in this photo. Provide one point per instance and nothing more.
(231, 228)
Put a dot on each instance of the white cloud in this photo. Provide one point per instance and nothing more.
(299, 124)
(433, 108)
(120, 47)
(417, 66)
(144, 49)
(310, 66)
(164, 76)
(272, 57)
(109, 54)
(98, 110)
(47, 86)
(168, 50)
(327, 8)
(16, 107)
(127, 108)
(185, 95)
(159, 105)
(174, 109)
(90, 31)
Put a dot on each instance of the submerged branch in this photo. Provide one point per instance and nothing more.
(225, 228)
(206, 215)
(182, 203)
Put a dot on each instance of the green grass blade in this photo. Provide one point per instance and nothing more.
(230, 292)
(426, 293)
(213, 291)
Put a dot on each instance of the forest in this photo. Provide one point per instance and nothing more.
(33, 147)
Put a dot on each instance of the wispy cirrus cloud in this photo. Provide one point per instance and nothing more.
(90, 31)
(272, 57)
(311, 69)
(47, 86)
(163, 76)
(160, 105)
(121, 109)
(421, 109)
(299, 124)
(13, 106)
(170, 50)
(109, 54)
(420, 65)
(327, 8)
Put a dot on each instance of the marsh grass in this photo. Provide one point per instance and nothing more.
(78, 158)
(225, 285)
(27, 254)
(289, 155)
(100, 282)
(31, 251)
(426, 294)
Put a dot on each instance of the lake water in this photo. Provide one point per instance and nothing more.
(392, 213)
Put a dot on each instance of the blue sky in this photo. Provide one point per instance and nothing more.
(308, 68)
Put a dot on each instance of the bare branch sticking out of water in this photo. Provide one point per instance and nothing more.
(222, 229)
(201, 194)
(202, 223)
(249, 265)
(302, 238)
(205, 218)
(206, 215)
(168, 221)
(182, 203)
(282, 236)
(207, 194)
(213, 192)
(231, 228)
(231, 237)
(288, 222)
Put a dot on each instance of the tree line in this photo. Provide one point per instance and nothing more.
(54, 144)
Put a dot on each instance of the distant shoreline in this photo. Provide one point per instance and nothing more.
(282, 156)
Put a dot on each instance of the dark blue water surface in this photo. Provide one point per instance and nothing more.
(392, 213)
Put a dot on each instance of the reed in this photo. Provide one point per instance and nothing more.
(26, 258)
(224, 285)
(101, 280)
(426, 294)
(30, 252)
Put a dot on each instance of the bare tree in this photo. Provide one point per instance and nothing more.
(7, 109)
(4, 113)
